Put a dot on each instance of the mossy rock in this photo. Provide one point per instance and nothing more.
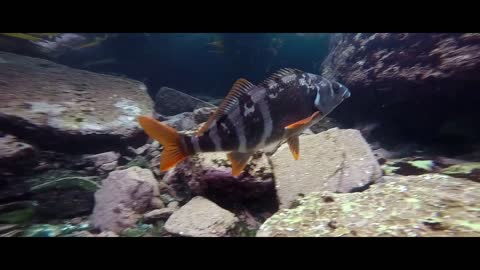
(242, 230)
(469, 170)
(139, 231)
(423, 205)
(63, 193)
(408, 167)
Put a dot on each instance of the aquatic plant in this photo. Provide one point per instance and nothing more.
(17, 212)
(85, 183)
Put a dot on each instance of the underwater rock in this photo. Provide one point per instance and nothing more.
(408, 166)
(404, 80)
(470, 170)
(124, 196)
(157, 214)
(325, 124)
(142, 150)
(173, 205)
(62, 193)
(425, 205)
(59, 107)
(170, 102)
(100, 159)
(200, 218)
(210, 175)
(143, 230)
(182, 121)
(103, 162)
(64, 203)
(157, 203)
(201, 115)
(337, 160)
(14, 153)
(107, 234)
(364, 60)
(138, 161)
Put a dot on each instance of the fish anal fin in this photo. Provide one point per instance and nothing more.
(294, 144)
(238, 161)
(239, 88)
(173, 153)
(303, 123)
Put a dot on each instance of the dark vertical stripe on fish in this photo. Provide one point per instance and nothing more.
(227, 134)
(187, 145)
(250, 112)
(280, 102)
(205, 142)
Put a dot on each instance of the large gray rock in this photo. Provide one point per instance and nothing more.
(57, 106)
(423, 205)
(200, 218)
(335, 160)
(169, 102)
(124, 196)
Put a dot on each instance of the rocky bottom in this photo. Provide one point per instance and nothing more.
(339, 187)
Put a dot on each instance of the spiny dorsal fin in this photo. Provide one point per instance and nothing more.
(239, 88)
(278, 74)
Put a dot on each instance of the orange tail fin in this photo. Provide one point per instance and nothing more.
(173, 152)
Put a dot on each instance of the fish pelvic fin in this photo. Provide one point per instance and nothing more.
(238, 161)
(173, 152)
(294, 145)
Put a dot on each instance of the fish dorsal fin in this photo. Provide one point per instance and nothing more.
(239, 88)
(278, 74)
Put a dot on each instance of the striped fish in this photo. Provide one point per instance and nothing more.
(253, 117)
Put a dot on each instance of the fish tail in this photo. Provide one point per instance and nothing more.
(173, 151)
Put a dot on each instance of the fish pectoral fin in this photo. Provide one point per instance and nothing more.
(238, 161)
(239, 88)
(304, 122)
(294, 144)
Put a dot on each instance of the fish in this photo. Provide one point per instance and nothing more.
(253, 117)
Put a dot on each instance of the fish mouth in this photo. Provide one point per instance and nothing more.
(346, 94)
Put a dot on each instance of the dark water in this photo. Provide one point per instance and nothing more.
(190, 63)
